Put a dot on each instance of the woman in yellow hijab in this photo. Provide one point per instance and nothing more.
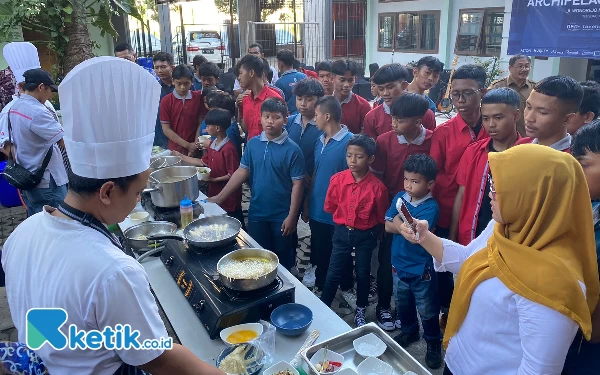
(530, 280)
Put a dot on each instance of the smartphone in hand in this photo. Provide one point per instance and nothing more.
(406, 217)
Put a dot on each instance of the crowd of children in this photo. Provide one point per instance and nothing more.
(316, 150)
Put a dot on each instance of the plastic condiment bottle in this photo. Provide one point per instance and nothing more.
(187, 211)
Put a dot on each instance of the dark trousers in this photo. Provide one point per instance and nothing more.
(321, 245)
(412, 293)
(238, 215)
(345, 240)
(445, 279)
(268, 235)
(447, 371)
(384, 273)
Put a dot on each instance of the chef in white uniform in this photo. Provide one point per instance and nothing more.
(21, 57)
(66, 258)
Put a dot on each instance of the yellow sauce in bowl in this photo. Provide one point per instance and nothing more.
(242, 336)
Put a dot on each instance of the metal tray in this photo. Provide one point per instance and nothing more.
(394, 355)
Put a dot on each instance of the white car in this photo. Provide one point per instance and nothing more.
(207, 43)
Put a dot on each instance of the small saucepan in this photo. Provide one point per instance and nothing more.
(138, 236)
(208, 232)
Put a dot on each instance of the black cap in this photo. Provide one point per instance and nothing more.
(39, 76)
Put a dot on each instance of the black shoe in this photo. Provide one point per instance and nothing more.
(405, 339)
(433, 358)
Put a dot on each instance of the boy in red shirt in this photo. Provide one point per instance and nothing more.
(358, 201)
(472, 206)
(391, 81)
(354, 107)
(408, 137)
(223, 159)
(550, 109)
(448, 144)
(250, 71)
(182, 112)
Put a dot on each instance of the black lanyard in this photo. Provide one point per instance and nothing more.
(89, 221)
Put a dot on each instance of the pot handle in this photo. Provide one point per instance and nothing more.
(151, 190)
(165, 237)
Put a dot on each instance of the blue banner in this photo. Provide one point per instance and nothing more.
(555, 28)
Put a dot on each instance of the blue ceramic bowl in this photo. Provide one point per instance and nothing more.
(291, 319)
(253, 367)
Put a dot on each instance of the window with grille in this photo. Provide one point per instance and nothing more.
(479, 32)
(409, 31)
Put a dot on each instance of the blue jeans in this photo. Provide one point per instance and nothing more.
(345, 240)
(268, 235)
(414, 293)
(36, 198)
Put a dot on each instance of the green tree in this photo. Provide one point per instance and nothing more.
(66, 23)
(224, 6)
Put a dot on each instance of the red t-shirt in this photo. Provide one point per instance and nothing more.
(360, 205)
(310, 73)
(391, 155)
(222, 162)
(354, 112)
(448, 144)
(251, 110)
(184, 116)
(378, 121)
(473, 172)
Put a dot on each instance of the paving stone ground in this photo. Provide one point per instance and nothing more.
(11, 217)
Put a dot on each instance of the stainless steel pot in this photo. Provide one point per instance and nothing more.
(161, 162)
(148, 229)
(169, 194)
(248, 284)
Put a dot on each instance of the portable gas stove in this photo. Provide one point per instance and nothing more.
(216, 306)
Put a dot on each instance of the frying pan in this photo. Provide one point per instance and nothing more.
(248, 284)
(233, 229)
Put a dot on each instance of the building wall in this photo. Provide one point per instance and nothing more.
(449, 10)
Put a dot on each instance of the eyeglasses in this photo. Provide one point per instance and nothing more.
(467, 95)
(492, 188)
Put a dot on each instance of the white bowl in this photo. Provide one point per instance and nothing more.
(256, 327)
(331, 356)
(369, 345)
(410, 373)
(374, 366)
(280, 366)
(203, 176)
(347, 371)
(139, 217)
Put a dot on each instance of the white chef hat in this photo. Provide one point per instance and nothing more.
(108, 108)
(21, 57)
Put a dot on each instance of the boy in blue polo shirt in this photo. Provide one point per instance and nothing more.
(412, 267)
(273, 165)
(301, 127)
(289, 78)
(330, 158)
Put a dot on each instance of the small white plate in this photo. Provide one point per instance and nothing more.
(347, 371)
(331, 356)
(369, 345)
(256, 327)
(281, 366)
(139, 217)
(374, 366)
